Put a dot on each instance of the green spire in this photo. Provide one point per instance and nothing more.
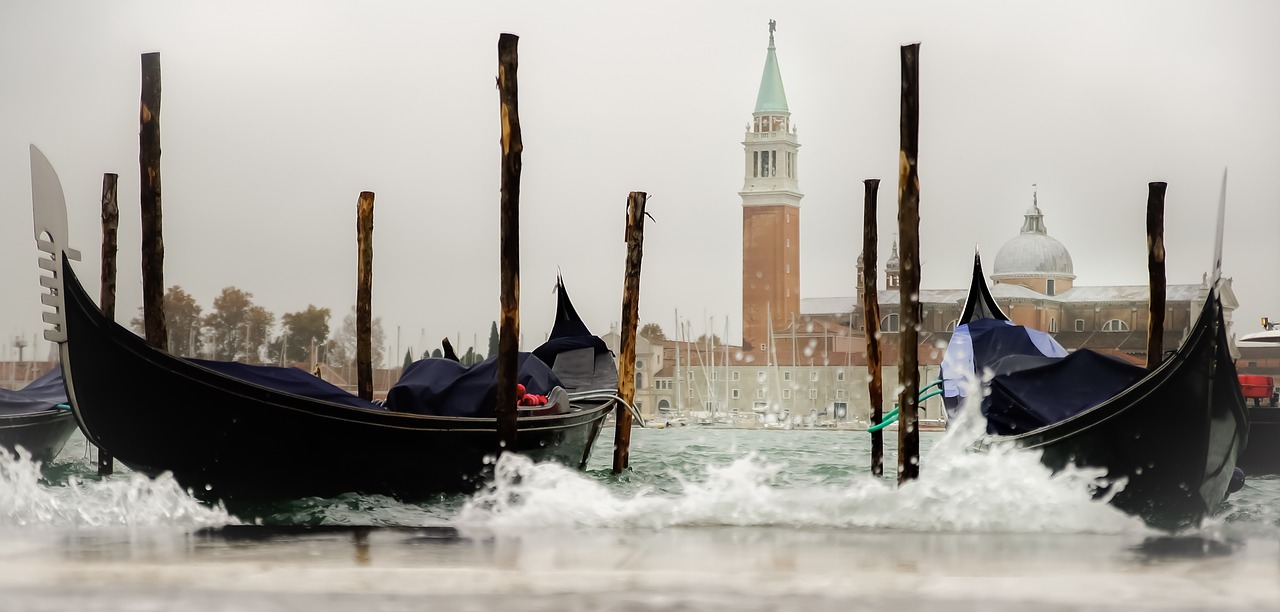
(772, 97)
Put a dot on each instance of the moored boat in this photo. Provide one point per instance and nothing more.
(36, 418)
(275, 435)
(1168, 438)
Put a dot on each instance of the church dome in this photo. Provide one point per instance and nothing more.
(1033, 252)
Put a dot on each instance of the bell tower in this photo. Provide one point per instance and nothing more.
(770, 211)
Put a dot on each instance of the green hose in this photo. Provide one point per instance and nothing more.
(892, 417)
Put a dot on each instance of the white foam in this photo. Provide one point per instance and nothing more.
(124, 499)
(1002, 490)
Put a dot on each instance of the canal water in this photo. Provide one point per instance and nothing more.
(707, 519)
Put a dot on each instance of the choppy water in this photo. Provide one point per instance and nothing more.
(707, 518)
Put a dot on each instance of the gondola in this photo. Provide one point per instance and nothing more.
(228, 438)
(1168, 439)
(36, 418)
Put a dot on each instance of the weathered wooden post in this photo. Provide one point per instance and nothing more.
(630, 319)
(107, 294)
(909, 230)
(1156, 273)
(871, 309)
(509, 249)
(156, 329)
(364, 296)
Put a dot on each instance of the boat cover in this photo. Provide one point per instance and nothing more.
(444, 387)
(581, 360)
(43, 393)
(288, 380)
(1027, 399)
(1034, 382)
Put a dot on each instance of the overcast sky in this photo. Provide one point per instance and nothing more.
(275, 115)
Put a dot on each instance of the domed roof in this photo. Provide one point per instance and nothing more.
(1033, 252)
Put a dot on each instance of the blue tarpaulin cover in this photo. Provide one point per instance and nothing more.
(288, 380)
(43, 393)
(445, 387)
(1034, 381)
(1024, 400)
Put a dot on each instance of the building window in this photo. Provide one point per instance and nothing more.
(639, 380)
(773, 163)
(762, 376)
(1115, 325)
(839, 393)
(755, 162)
(759, 393)
(840, 375)
(639, 406)
(764, 347)
(889, 323)
(664, 406)
(786, 394)
(764, 163)
(690, 393)
(813, 376)
(1079, 324)
(735, 394)
(639, 364)
(1048, 287)
(759, 407)
(735, 375)
(715, 375)
(813, 394)
(786, 376)
(789, 164)
(1053, 325)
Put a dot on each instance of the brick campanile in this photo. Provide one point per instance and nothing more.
(770, 212)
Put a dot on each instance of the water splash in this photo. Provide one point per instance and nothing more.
(127, 499)
(1001, 490)
(1005, 490)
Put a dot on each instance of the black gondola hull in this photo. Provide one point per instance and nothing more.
(231, 440)
(1168, 443)
(43, 434)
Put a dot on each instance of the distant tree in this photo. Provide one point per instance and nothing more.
(183, 317)
(493, 339)
(345, 352)
(702, 340)
(238, 328)
(652, 331)
(408, 360)
(437, 354)
(299, 330)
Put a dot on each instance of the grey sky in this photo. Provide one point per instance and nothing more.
(276, 115)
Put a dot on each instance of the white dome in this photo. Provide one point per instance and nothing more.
(1033, 252)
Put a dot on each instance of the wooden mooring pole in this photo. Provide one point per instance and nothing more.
(871, 310)
(107, 293)
(1156, 273)
(630, 319)
(156, 330)
(509, 249)
(909, 230)
(364, 296)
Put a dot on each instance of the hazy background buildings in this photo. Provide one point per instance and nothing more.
(275, 115)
